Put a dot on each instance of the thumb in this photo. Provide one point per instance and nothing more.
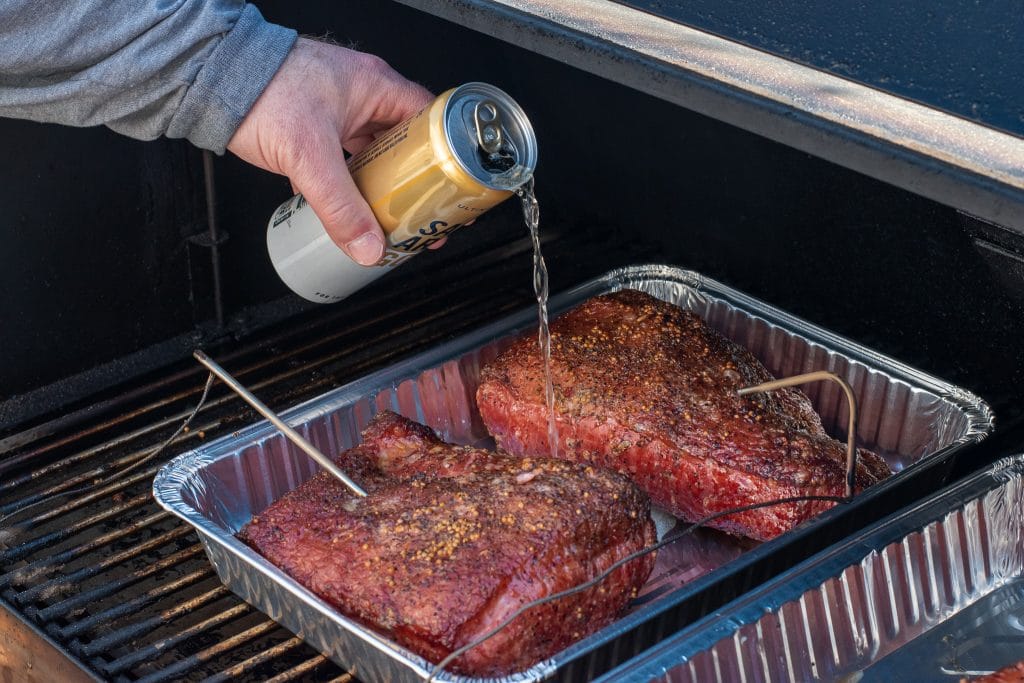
(323, 179)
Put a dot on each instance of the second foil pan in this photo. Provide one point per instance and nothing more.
(933, 593)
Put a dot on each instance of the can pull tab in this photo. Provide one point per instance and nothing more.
(488, 127)
(496, 154)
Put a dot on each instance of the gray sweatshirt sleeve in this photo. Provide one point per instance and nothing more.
(181, 68)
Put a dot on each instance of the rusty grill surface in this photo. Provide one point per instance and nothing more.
(124, 589)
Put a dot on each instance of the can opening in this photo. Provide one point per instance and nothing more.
(499, 161)
(490, 136)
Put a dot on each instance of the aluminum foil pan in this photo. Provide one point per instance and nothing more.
(933, 593)
(914, 420)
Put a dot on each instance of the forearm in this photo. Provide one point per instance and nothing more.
(188, 69)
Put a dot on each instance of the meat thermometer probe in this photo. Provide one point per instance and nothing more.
(293, 436)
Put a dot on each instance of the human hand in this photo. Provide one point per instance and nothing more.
(324, 99)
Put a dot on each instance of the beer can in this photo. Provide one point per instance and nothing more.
(461, 155)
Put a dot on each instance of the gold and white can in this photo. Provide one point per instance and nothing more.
(425, 178)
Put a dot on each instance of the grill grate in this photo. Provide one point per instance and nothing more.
(123, 587)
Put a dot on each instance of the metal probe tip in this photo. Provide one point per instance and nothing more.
(851, 402)
(293, 436)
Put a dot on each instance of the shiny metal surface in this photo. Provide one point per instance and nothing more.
(909, 417)
(935, 592)
(913, 146)
(285, 428)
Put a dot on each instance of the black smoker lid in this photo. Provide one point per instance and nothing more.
(832, 84)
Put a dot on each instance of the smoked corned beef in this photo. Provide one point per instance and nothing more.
(451, 540)
(649, 389)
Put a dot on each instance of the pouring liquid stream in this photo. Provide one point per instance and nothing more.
(531, 215)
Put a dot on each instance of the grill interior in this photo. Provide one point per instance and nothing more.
(127, 593)
(126, 589)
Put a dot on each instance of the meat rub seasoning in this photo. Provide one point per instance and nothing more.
(425, 178)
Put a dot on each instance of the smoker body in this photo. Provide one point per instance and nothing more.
(109, 269)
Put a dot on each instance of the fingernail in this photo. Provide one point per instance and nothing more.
(366, 249)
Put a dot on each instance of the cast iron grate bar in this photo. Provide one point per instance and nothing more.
(99, 494)
(154, 649)
(108, 616)
(156, 426)
(70, 485)
(39, 542)
(209, 653)
(255, 661)
(305, 668)
(25, 573)
(53, 586)
(116, 585)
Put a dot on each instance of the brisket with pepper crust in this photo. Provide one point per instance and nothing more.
(451, 540)
(649, 389)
